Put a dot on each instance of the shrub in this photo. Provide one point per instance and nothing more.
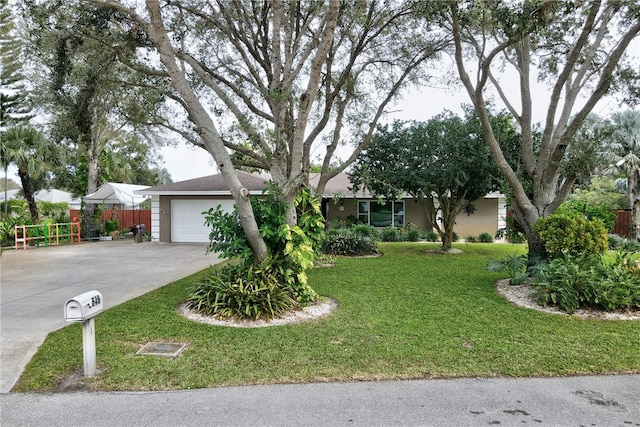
(471, 239)
(390, 234)
(290, 254)
(349, 243)
(431, 236)
(574, 281)
(485, 237)
(590, 211)
(365, 230)
(572, 233)
(514, 265)
(411, 233)
(628, 245)
(242, 291)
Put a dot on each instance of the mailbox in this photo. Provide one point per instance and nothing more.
(83, 307)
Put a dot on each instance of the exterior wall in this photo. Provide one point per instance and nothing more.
(489, 215)
(164, 214)
(484, 219)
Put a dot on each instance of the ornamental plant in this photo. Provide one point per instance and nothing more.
(245, 290)
(571, 232)
(587, 280)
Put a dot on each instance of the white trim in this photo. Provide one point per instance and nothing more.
(196, 193)
(155, 218)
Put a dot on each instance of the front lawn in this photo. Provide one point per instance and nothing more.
(407, 314)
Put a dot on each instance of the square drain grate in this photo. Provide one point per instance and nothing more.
(164, 349)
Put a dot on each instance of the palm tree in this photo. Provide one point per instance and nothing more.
(627, 159)
(26, 147)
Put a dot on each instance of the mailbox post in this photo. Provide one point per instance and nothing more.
(83, 308)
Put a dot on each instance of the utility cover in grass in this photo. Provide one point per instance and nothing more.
(164, 349)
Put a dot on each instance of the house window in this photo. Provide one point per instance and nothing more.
(381, 214)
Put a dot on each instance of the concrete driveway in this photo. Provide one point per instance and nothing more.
(35, 284)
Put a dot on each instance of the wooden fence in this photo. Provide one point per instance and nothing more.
(623, 218)
(126, 218)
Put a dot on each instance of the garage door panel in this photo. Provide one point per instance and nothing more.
(187, 220)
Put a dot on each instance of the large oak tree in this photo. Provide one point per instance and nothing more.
(579, 49)
(273, 80)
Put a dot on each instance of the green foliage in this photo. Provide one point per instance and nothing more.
(410, 233)
(242, 291)
(425, 160)
(402, 315)
(110, 226)
(628, 245)
(471, 239)
(571, 232)
(431, 236)
(485, 237)
(589, 280)
(349, 242)
(390, 234)
(58, 212)
(514, 265)
(291, 253)
(590, 211)
(600, 192)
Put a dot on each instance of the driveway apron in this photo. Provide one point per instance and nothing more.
(35, 284)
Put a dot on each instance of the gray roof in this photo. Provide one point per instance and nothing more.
(212, 184)
(339, 185)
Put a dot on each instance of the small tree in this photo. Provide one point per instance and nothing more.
(27, 148)
(444, 160)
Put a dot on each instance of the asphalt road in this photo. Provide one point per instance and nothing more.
(35, 284)
(575, 401)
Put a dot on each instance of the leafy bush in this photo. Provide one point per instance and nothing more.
(431, 236)
(571, 232)
(514, 265)
(589, 280)
(471, 239)
(366, 230)
(410, 233)
(628, 245)
(349, 243)
(390, 234)
(242, 291)
(110, 226)
(485, 237)
(590, 211)
(291, 252)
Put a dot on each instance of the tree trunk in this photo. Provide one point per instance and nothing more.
(634, 204)
(92, 186)
(25, 179)
(634, 224)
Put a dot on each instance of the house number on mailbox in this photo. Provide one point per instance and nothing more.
(95, 300)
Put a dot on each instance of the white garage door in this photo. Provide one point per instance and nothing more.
(187, 221)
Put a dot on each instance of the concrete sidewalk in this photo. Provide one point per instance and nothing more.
(35, 283)
(573, 401)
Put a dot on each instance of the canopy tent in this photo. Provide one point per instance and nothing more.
(116, 193)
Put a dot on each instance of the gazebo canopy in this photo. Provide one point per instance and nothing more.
(116, 193)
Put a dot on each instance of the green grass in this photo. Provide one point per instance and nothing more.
(407, 314)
